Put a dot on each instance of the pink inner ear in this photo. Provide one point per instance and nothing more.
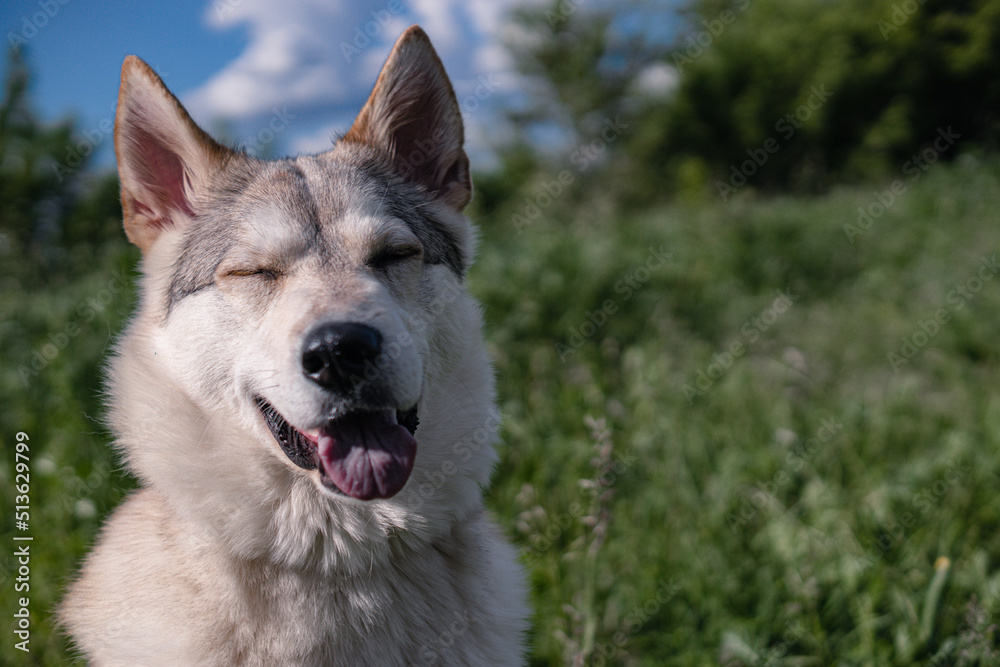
(161, 181)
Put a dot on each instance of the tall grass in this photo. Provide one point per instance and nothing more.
(784, 488)
(709, 454)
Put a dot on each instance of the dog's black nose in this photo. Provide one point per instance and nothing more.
(335, 356)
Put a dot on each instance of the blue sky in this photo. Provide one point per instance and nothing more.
(238, 65)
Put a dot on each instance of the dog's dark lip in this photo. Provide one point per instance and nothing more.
(300, 448)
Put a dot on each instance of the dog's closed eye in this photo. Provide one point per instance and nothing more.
(262, 272)
(387, 256)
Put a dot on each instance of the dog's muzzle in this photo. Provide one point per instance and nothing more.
(365, 454)
(337, 356)
(363, 451)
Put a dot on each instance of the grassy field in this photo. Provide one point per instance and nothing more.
(758, 433)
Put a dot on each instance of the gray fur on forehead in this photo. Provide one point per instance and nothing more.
(207, 241)
(246, 185)
(371, 172)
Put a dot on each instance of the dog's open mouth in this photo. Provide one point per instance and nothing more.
(364, 454)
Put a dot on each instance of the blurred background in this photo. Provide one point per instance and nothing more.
(737, 266)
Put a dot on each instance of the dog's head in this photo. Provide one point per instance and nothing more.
(314, 305)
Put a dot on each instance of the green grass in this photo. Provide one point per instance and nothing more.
(790, 510)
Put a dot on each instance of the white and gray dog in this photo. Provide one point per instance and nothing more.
(305, 397)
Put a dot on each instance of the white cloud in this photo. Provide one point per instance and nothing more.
(312, 53)
(318, 141)
(290, 59)
(320, 57)
(657, 80)
(439, 18)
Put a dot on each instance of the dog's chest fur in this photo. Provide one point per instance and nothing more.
(437, 605)
(415, 608)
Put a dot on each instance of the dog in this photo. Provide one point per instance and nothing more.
(305, 396)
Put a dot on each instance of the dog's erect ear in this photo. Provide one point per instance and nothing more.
(413, 115)
(164, 159)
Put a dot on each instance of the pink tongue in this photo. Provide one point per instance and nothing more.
(366, 455)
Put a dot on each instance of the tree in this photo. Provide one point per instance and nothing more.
(54, 214)
(829, 92)
(774, 95)
(579, 63)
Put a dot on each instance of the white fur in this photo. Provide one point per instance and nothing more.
(230, 553)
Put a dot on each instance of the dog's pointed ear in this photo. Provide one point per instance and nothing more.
(165, 160)
(412, 115)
